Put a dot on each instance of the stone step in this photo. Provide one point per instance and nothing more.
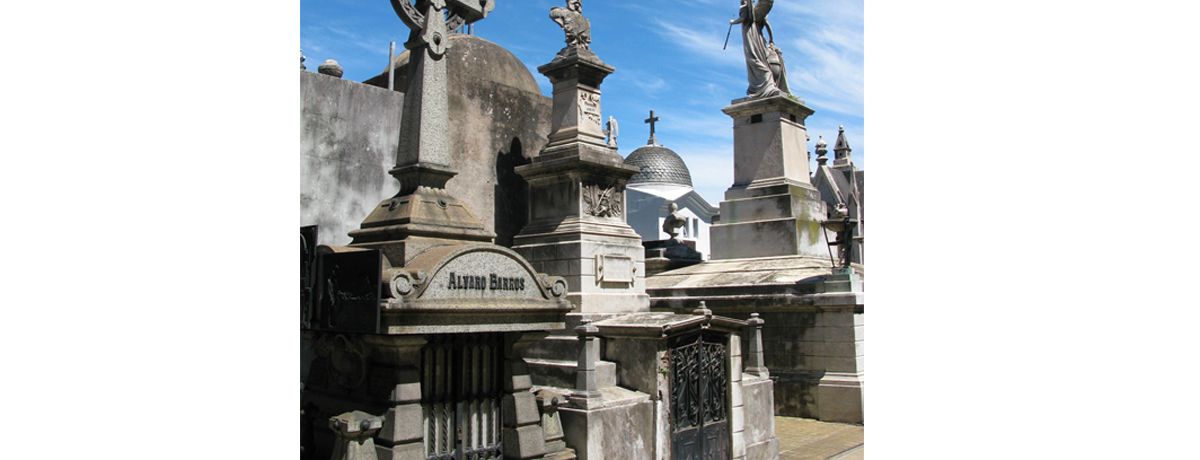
(561, 373)
(560, 347)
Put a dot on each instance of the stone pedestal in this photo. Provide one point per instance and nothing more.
(663, 255)
(772, 209)
(556, 447)
(577, 226)
(840, 389)
(401, 437)
(354, 432)
(575, 119)
(522, 433)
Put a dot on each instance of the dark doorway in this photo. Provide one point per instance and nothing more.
(699, 389)
(511, 194)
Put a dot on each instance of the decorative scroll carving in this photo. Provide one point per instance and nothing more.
(589, 107)
(603, 201)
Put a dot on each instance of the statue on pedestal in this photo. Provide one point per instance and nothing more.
(764, 61)
(673, 222)
(612, 130)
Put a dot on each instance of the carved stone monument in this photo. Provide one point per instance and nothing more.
(421, 319)
(423, 214)
(771, 234)
(577, 188)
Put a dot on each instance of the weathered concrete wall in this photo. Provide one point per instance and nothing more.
(758, 398)
(350, 132)
(623, 431)
(348, 138)
(804, 347)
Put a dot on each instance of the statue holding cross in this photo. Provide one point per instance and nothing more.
(765, 68)
(653, 119)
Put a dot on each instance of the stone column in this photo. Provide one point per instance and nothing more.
(772, 208)
(737, 412)
(523, 435)
(587, 390)
(354, 432)
(840, 390)
(401, 437)
(756, 365)
(577, 226)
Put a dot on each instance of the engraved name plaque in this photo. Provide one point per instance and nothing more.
(614, 269)
(482, 275)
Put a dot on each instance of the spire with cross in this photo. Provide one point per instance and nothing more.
(653, 119)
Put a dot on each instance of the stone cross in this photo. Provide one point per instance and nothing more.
(653, 119)
(423, 158)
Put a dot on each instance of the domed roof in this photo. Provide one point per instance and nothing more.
(659, 165)
(470, 58)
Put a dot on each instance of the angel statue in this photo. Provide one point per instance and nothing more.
(577, 27)
(764, 61)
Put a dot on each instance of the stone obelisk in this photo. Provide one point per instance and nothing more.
(423, 214)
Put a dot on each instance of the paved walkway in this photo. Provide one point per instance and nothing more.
(807, 439)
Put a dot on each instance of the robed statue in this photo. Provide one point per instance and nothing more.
(574, 25)
(612, 130)
(764, 61)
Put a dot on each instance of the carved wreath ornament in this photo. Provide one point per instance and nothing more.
(602, 201)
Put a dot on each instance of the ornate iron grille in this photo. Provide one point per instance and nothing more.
(461, 391)
(699, 387)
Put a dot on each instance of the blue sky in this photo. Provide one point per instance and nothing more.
(668, 58)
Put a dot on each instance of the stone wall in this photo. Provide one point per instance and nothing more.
(348, 137)
(760, 439)
(803, 347)
(350, 132)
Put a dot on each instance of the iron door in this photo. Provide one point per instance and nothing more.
(699, 390)
(461, 390)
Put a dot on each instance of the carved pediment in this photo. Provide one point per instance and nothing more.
(473, 276)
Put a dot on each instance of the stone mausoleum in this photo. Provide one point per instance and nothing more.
(491, 299)
(664, 179)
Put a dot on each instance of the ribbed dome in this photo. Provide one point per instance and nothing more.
(660, 165)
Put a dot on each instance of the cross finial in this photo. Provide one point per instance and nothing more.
(653, 119)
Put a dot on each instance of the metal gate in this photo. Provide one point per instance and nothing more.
(460, 396)
(699, 389)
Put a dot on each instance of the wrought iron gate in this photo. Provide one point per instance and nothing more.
(460, 395)
(699, 390)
